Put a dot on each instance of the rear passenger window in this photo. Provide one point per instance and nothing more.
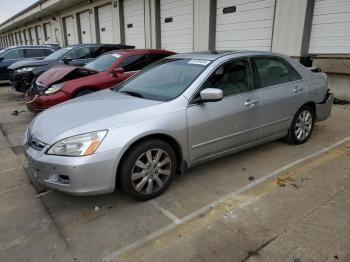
(274, 71)
(35, 53)
(134, 63)
(81, 53)
(156, 57)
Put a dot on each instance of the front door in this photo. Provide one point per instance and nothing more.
(219, 127)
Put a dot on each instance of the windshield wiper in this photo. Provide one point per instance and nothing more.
(131, 93)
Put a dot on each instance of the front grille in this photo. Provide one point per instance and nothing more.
(36, 89)
(35, 143)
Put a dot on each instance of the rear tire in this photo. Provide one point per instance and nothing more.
(302, 126)
(148, 169)
(84, 92)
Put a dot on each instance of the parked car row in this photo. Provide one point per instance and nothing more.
(62, 83)
(178, 112)
(11, 55)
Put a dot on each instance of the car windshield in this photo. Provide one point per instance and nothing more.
(3, 51)
(58, 54)
(165, 80)
(102, 63)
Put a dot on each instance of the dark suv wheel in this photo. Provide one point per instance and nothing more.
(148, 169)
(302, 126)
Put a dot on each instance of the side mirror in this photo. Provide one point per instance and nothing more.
(1, 58)
(211, 95)
(117, 71)
(67, 59)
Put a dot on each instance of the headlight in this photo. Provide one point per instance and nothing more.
(81, 145)
(53, 89)
(24, 69)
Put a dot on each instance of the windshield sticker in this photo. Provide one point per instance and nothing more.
(199, 62)
(116, 55)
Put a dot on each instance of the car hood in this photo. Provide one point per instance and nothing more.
(57, 73)
(29, 63)
(98, 111)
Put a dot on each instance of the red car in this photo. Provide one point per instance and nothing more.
(64, 82)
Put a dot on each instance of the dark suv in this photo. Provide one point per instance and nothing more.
(11, 55)
(23, 73)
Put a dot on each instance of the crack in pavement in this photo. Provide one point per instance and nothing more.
(252, 253)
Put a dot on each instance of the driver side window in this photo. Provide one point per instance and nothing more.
(232, 78)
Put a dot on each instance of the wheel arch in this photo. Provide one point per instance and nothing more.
(181, 164)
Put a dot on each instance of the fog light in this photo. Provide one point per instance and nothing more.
(53, 178)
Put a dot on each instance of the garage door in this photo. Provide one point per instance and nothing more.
(134, 13)
(39, 34)
(48, 33)
(330, 31)
(85, 27)
(69, 30)
(176, 24)
(244, 24)
(105, 24)
(33, 36)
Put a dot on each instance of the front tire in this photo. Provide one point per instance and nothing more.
(148, 169)
(302, 126)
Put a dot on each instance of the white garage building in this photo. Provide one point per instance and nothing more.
(297, 28)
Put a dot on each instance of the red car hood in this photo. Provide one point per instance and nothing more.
(57, 73)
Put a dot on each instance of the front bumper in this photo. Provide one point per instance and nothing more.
(324, 109)
(38, 103)
(88, 175)
(21, 82)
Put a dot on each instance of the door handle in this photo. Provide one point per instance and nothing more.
(297, 90)
(250, 102)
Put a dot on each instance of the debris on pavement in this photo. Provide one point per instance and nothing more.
(16, 112)
(341, 101)
(97, 208)
(283, 181)
(251, 178)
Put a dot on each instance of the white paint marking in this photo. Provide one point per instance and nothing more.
(206, 208)
(45, 193)
(166, 212)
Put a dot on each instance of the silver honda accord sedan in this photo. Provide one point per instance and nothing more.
(177, 113)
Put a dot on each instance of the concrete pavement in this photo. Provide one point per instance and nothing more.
(231, 209)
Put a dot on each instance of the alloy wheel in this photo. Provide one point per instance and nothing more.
(303, 125)
(151, 171)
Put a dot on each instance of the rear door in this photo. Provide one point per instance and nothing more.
(69, 30)
(281, 92)
(85, 27)
(134, 13)
(218, 127)
(105, 24)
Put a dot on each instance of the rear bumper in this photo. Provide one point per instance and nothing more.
(324, 109)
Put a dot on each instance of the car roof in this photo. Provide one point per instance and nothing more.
(103, 45)
(32, 46)
(213, 55)
(139, 51)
